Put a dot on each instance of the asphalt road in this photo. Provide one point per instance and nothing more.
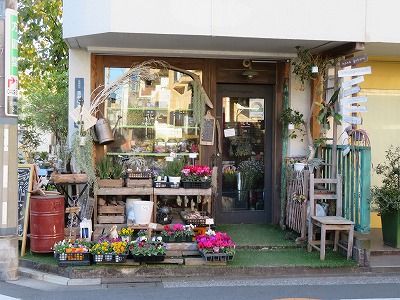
(349, 287)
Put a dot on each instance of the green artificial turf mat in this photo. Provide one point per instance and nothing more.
(293, 257)
(257, 235)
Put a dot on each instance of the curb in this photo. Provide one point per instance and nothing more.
(121, 274)
(56, 279)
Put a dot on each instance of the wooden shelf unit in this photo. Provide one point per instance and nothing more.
(153, 194)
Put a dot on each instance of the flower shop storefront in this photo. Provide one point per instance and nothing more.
(157, 129)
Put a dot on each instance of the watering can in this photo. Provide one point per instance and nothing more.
(103, 131)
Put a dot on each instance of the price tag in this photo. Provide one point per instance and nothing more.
(153, 225)
(209, 221)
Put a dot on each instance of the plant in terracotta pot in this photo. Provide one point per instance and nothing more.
(387, 197)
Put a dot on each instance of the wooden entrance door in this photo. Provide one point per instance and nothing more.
(245, 168)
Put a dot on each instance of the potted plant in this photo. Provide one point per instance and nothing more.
(126, 234)
(173, 170)
(327, 110)
(109, 172)
(99, 249)
(72, 252)
(387, 197)
(229, 177)
(143, 250)
(295, 122)
(216, 246)
(178, 233)
(119, 251)
(196, 176)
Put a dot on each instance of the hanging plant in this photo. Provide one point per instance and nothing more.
(291, 116)
(198, 102)
(82, 154)
(305, 63)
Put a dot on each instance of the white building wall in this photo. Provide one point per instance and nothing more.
(340, 20)
(300, 98)
(79, 67)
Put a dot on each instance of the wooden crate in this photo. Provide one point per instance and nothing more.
(139, 183)
(111, 214)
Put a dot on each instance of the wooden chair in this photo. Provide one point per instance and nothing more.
(328, 223)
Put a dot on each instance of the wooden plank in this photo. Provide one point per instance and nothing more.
(354, 72)
(354, 90)
(182, 192)
(365, 190)
(111, 219)
(190, 253)
(111, 209)
(353, 61)
(353, 100)
(125, 191)
(181, 246)
(347, 84)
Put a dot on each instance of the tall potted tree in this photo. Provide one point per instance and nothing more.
(387, 197)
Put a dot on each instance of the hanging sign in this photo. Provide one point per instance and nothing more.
(353, 90)
(353, 61)
(354, 72)
(348, 101)
(207, 131)
(352, 120)
(11, 62)
(347, 84)
(354, 109)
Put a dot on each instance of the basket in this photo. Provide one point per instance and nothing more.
(216, 257)
(139, 175)
(73, 259)
(165, 184)
(196, 184)
(195, 218)
(109, 258)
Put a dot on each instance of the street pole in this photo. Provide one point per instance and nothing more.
(8, 140)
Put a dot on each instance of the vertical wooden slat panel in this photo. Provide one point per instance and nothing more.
(365, 190)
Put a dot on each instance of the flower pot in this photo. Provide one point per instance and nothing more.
(143, 211)
(291, 126)
(62, 256)
(298, 167)
(174, 179)
(391, 228)
(98, 258)
(108, 257)
(126, 239)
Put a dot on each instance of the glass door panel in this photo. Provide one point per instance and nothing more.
(243, 154)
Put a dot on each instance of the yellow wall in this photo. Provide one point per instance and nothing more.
(382, 121)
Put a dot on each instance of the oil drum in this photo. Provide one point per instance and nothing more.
(46, 222)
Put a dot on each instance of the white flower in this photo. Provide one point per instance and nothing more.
(153, 239)
(159, 239)
(210, 232)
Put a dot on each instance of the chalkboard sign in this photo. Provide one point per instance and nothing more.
(25, 181)
(207, 130)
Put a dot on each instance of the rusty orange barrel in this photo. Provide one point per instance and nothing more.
(46, 222)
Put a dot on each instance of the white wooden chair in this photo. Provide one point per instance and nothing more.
(328, 223)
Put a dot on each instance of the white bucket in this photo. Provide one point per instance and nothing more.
(298, 167)
(130, 213)
(143, 211)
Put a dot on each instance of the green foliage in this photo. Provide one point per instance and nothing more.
(174, 168)
(251, 172)
(327, 110)
(387, 197)
(83, 157)
(198, 103)
(29, 139)
(43, 66)
(304, 62)
(291, 116)
(108, 168)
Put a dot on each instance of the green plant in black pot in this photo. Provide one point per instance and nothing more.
(387, 197)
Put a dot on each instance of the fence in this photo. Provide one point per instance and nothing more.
(355, 168)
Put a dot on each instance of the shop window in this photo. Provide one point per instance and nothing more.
(155, 117)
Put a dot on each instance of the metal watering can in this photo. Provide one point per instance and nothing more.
(103, 131)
